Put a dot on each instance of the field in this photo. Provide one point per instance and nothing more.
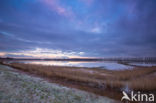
(103, 82)
(16, 87)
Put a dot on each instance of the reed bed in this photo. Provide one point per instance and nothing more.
(137, 79)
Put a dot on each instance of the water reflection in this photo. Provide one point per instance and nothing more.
(145, 64)
(102, 65)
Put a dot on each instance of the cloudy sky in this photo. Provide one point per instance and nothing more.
(77, 28)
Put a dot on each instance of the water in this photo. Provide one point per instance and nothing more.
(144, 64)
(102, 65)
(111, 65)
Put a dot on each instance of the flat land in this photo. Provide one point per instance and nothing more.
(107, 83)
(17, 87)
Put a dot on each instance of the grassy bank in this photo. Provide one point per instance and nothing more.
(17, 87)
(99, 81)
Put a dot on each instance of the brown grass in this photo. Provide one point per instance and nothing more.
(99, 81)
(137, 79)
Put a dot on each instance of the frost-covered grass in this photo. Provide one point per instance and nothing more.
(21, 88)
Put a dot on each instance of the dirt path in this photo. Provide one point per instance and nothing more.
(17, 87)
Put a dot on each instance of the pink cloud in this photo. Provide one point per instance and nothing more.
(57, 7)
(2, 54)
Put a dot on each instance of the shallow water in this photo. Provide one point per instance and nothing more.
(145, 64)
(102, 65)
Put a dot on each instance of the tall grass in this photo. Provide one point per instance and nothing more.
(138, 78)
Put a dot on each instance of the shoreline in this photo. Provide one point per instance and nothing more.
(17, 87)
(107, 83)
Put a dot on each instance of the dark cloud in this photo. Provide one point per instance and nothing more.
(105, 28)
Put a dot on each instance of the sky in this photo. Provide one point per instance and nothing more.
(77, 28)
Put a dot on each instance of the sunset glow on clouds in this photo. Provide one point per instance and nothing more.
(2, 54)
(77, 28)
(43, 53)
